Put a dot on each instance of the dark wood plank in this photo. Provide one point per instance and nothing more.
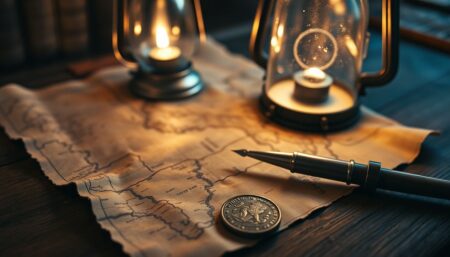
(38, 218)
(386, 223)
(419, 67)
(38, 76)
(425, 107)
(10, 150)
(381, 224)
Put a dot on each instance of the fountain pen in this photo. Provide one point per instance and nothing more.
(370, 177)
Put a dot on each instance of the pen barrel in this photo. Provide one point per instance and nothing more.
(371, 176)
(414, 184)
(318, 166)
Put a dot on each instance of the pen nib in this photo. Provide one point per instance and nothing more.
(241, 152)
(279, 159)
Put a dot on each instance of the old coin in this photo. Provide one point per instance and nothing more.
(250, 215)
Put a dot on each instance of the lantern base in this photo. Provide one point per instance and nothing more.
(311, 122)
(171, 86)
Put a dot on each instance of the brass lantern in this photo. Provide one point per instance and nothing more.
(156, 39)
(316, 50)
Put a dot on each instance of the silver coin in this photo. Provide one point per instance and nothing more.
(251, 215)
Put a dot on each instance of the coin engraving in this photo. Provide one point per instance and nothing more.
(251, 215)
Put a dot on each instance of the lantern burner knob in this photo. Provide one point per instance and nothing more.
(312, 86)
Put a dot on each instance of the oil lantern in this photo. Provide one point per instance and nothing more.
(156, 39)
(316, 50)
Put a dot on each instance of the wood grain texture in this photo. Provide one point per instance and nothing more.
(382, 224)
(37, 76)
(34, 212)
(386, 223)
(10, 150)
(38, 218)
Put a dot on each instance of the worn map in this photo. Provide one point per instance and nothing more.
(157, 173)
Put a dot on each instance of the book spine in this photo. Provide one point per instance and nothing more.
(40, 26)
(73, 26)
(101, 19)
(12, 52)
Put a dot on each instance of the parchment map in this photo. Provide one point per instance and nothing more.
(157, 173)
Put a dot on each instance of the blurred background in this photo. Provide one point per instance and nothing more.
(36, 32)
(49, 33)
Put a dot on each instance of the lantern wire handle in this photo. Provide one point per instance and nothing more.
(200, 21)
(116, 44)
(259, 28)
(390, 34)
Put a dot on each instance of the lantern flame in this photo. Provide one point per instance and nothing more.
(137, 28)
(314, 74)
(162, 37)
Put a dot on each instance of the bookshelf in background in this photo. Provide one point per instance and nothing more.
(72, 27)
(12, 52)
(39, 19)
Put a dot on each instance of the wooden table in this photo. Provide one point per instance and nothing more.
(40, 219)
